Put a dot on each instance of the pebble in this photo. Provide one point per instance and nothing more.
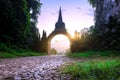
(33, 68)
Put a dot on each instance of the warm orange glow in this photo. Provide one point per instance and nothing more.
(61, 43)
(77, 35)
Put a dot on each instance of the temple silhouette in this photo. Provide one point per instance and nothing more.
(59, 29)
(60, 25)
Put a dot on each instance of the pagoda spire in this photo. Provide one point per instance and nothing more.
(60, 16)
(60, 25)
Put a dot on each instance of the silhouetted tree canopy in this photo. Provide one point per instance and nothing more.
(15, 21)
(34, 9)
(44, 44)
(93, 3)
(18, 19)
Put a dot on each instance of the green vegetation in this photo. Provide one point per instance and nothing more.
(13, 52)
(93, 3)
(19, 53)
(94, 54)
(98, 66)
(94, 70)
(53, 51)
(98, 38)
(18, 23)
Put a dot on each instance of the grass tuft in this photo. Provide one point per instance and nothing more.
(20, 54)
(94, 70)
(94, 54)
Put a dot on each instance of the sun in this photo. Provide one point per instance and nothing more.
(61, 43)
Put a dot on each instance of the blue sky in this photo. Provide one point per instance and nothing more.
(77, 14)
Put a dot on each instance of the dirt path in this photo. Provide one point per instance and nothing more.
(33, 68)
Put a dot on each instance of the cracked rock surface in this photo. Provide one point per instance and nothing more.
(33, 68)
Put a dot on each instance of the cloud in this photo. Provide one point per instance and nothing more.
(78, 8)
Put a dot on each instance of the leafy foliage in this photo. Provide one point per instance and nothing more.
(34, 9)
(86, 40)
(18, 22)
(15, 21)
(109, 34)
(93, 3)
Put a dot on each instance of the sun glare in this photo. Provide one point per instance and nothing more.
(61, 43)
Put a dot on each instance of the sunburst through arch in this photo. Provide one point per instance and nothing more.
(60, 43)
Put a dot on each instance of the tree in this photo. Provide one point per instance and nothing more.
(15, 21)
(44, 46)
(76, 42)
(87, 41)
(111, 34)
(93, 3)
(18, 22)
(34, 10)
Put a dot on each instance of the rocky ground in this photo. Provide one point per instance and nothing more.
(34, 68)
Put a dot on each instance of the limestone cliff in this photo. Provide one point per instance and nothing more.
(104, 9)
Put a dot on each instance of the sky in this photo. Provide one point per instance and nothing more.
(77, 15)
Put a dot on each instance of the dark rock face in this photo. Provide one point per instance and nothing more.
(107, 24)
(106, 8)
